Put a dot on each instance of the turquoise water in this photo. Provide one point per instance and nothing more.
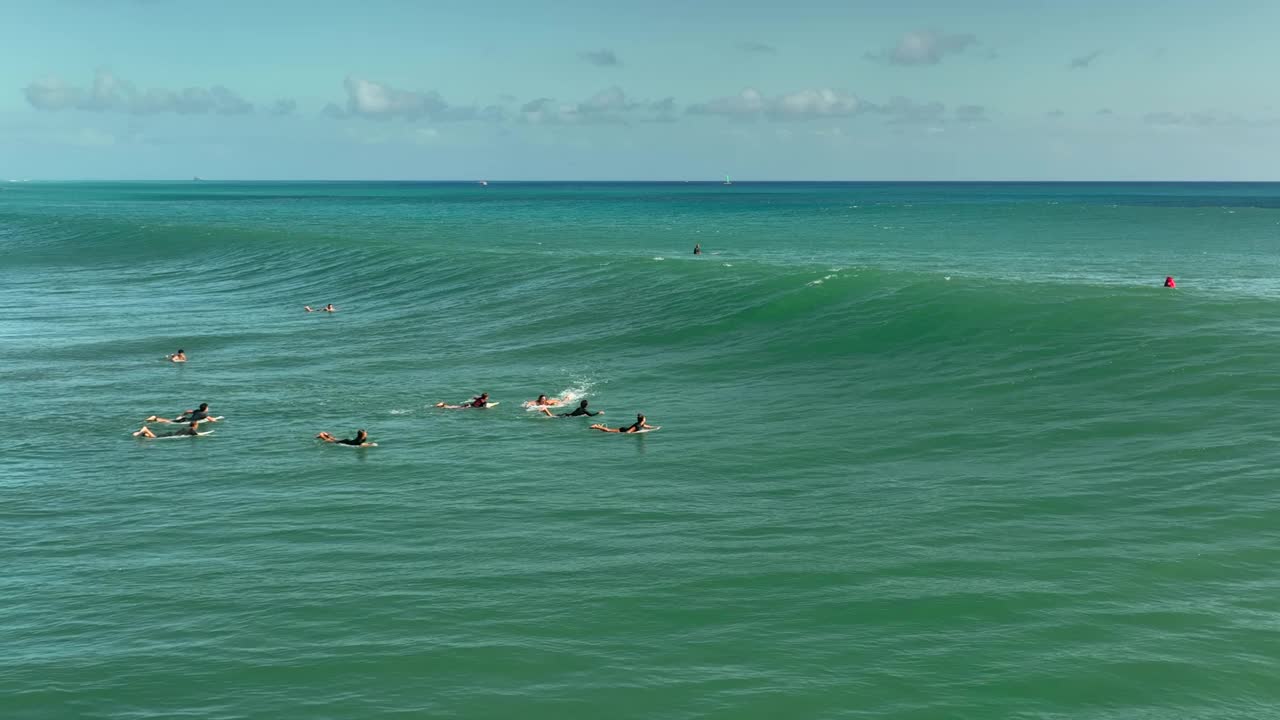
(928, 451)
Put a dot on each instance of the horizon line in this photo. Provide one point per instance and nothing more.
(470, 181)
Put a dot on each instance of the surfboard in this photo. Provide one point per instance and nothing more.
(209, 419)
(369, 445)
(175, 437)
(646, 430)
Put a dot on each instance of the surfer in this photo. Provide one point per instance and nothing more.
(697, 248)
(637, 426)
(544, 401)
(199, 415)
(192, 429)
(480, 402)
(1169, 283)
(577, 412)
(179, 356)
(360, 440)
(327, 308)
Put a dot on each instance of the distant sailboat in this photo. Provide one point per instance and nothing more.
(727, 181)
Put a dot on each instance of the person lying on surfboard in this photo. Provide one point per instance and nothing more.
(360, 440)
(577, 412)
(179, 356)
(481, 401)
(544, 401)
(199, 415)
(326, 308)
(637, 426)
(192, 429)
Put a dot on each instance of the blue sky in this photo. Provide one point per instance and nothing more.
(384, 89)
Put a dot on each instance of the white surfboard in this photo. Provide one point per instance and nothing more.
(175, 437)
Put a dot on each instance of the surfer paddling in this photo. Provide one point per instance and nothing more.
(479, 402)
(198, 415)
(327, 308)
(360, 440)
(179, 356)
(544, 401)
(577, 412)
(192, 429)
(635, 427)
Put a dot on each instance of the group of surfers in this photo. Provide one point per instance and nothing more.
(544, 404)
(194, 418)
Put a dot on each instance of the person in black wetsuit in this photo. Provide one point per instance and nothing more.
(192, 429)
(697, 249)
(637, 426)
(577, 412)
(480, 402)
(360, 440)
(199, 415)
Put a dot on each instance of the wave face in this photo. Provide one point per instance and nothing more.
(927, 450)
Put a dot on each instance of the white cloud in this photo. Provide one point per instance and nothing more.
(379, 101)
(367, 98)
(924, 47)
(800, 105)
(901, 110)
(112, 94)
(609, 100)
(607, 107)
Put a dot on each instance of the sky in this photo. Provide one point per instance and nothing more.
(640, 90)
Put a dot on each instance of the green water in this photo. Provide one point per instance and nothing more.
(928, 451)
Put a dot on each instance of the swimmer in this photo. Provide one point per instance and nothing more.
(192, 429)
(577, 412)
(479, 402)
(360, 440)
(697, 248)
(179, 356)
(544, 401)
(637, 426)
(1169, 283)
(199, 415)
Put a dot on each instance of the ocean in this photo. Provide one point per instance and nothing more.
(927, 451)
